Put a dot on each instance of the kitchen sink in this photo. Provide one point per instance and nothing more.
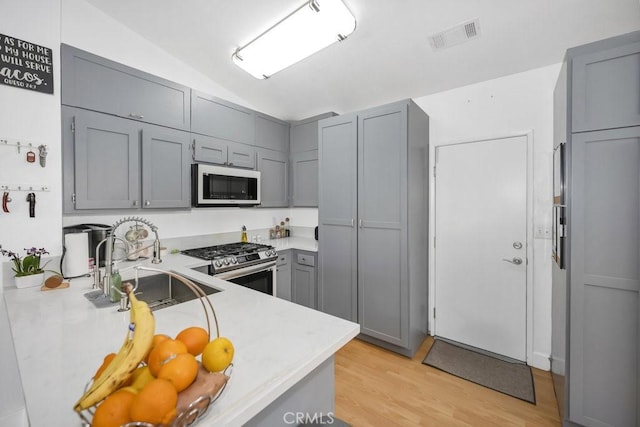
(162, 290)
(158, 290)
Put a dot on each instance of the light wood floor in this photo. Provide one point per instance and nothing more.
(376, 387)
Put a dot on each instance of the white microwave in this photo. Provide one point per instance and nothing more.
(221, 186)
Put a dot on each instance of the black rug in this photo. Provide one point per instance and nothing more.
(514, 379)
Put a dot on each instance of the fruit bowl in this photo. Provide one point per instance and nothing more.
(193, 401)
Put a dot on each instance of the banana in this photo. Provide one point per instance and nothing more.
(136, 345)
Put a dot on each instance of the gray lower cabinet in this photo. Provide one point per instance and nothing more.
(595, 354)
(304, 279)
(283, 275)
(95, 83)
(304, 180)
(221, 119)
(372, 192)
(115, 163)
(218, 151)
(274, 168)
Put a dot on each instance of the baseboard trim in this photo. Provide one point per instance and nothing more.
(541, 361)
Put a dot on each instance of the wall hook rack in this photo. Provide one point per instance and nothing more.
(19, 144)
(24, 187)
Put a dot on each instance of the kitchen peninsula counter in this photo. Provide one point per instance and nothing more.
(60, 339)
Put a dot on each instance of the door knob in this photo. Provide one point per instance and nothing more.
(516, 260)
(517, 245)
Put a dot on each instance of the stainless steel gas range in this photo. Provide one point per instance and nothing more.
(252, 265)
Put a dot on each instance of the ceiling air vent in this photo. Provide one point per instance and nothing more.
(455, 35)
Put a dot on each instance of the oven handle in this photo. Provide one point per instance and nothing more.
(234, 274)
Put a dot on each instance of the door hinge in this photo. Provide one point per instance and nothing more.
(434, 171)
(73, 199)
(434, 312)
(73, 125)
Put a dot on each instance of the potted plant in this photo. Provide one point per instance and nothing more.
(27, 269)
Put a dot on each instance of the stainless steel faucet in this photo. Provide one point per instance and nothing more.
(105, 283)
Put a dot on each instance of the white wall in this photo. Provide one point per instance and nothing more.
(507, 106)
(32, 117)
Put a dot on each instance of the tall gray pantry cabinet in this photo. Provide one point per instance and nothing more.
(372, 246)
(595, 360)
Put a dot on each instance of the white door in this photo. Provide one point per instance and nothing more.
(481, 244)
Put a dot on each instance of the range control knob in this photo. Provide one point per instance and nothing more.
(234, 260)
(226, 261)
(217, 263)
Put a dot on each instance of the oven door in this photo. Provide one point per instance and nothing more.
(261, 277)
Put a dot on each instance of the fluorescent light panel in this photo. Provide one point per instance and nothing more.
(310, 28)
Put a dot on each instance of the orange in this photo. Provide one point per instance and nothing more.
(114, 410)
(157, 339)
(195, 338)
(107, 359)
(155, 403)
(181, 371)
(164, 351)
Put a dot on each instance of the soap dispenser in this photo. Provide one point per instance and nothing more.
(244, 239)
(116, 284)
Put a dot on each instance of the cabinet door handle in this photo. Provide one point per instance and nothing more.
(353, 222)
(230, 163)
(360, 222)
(135, 203)
(136, 116)
(147, 203)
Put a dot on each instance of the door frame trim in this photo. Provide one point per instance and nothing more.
(528, 134)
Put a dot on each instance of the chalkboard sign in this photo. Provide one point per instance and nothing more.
(25, 65)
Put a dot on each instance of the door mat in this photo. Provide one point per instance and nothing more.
(514, 379)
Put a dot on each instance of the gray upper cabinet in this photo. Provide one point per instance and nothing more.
(221, 152)
(221, 119)
(106, 160)
(98, 84)
(304, 181)
(304, 136)
(115, 163)
(271, 133)
(166, 157)
(274, 168)
(304, 133)
(372, 191)
(606, 86)
(304, 161)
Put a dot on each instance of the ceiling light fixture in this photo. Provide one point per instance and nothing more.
(311, 27)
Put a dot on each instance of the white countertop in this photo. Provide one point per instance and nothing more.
(61, 338)
(294, 242)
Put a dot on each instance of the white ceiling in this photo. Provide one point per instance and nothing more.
(387, 58)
